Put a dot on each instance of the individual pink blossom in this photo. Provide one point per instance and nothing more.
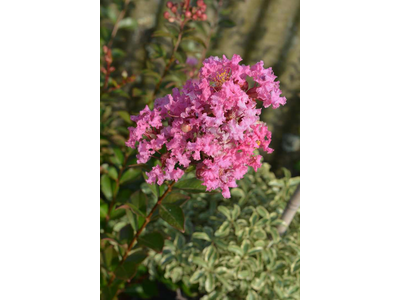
(211, 123)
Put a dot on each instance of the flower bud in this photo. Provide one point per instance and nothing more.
(174, 9)
(169, 4)
(204, 17)
(166, 15)
(188, 14)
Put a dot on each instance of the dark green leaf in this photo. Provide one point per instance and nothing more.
(131, 219)
(138, 204)
(129, 175)
(136, 257)
(119, 156)
(176, 198)
(192, 185)
(152, 240)
(173, 215)
(108, 292)
(127, 270)
(106, 187)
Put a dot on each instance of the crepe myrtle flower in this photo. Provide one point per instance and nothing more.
(212, 123)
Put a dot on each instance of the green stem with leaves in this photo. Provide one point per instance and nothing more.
(114, 198)
(170, 61)
(146, 221)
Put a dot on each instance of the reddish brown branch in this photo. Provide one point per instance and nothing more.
(146, 221)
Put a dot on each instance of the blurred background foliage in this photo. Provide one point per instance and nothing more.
(267, 30)
(220, 248)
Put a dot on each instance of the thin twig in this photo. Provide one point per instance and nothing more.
(116, 25)
(146, 221)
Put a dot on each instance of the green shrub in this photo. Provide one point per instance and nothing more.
(231, 248)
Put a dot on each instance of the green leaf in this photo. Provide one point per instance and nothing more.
(251, 295)
(210, 255)
(126, 271)
(196, 276)
(226, 23)
(294, 181)
(160, 33)
(262, 212)
(138, 204)
(173, 215)
(129, 175)
(152, 240)
(223, 230)
(179, 241)
(125, 116)
(109, 292)
(259, 282)
(253, 219)
(119, 156)
(255, 250)
(106, 187)
(176, 198)
(118, 53)
(275, 235)
(225, 212)
(245, 246)
(131, 219)
(210, 283)
(244, 274)
(201, 236)
(192, 185)
(196, 39)
(112, 172)
(103, 210)
(137, 257)
(127, 23)
(224, 282)
(235, 211)
(198, 261)
(235, 249)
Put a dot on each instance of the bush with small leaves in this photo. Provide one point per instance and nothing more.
(232, 249)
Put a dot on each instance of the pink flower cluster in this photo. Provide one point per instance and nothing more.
(211, 123)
